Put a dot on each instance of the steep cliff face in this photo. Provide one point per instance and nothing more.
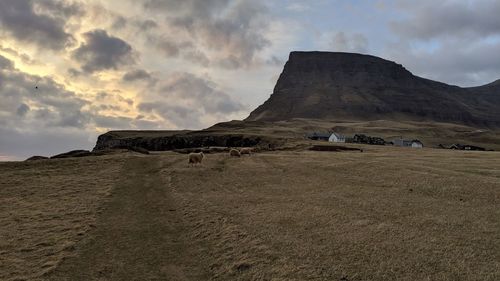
(346, 86)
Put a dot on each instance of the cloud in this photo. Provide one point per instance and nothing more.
(451, 41)
(49, 105)
(201, 93)
(431, 19)
(102, 51)
(171, 48)
(147, 25)
(472, 65)
(50, 118)
(342, 42)
(5, 63)
(233, 31)
(22, 110)
(186, 100)
(138, 74)
(40, 22)
(22, 56)
(46, 120)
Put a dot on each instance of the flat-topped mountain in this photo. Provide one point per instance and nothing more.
(348, 86)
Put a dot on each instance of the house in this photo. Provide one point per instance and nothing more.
(319, 136)
(408, 143)
(417, 144)
(466, 147)
(336, 137)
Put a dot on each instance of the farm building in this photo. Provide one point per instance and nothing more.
(336, 137)
(408, 143)
(319, 136)
(466, 147)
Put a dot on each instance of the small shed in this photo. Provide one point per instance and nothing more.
(336, 137)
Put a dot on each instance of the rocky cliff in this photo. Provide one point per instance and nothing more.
(170, 140)
(347, 86)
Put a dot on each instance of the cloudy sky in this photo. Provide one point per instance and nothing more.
(71, 70)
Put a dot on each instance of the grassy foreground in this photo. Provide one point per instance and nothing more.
(384, 214)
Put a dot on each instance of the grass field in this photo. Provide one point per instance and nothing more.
(384, 214)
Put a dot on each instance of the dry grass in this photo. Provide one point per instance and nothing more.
(46, 207)
(430, 133)
(384, 214)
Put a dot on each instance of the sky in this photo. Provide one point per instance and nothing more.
(71, 70)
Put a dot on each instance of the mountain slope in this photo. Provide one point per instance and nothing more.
(347, 86)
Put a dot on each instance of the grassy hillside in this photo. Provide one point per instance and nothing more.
(384, 214)
(430, 133)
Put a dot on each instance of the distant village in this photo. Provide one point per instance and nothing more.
(364, 139)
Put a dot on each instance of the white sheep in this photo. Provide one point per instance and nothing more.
(246, 150)
(234, 152)
(195, 158)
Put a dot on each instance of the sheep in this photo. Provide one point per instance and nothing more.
(234, 152)
(195, 158)
(246, 150)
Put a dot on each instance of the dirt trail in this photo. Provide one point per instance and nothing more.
(138, 237)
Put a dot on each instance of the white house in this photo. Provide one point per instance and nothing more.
(335, 137)
(417, 144)
(408, 143)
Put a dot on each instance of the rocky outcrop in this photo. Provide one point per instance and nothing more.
(115, 139)
(346, 86)
(37, 158)
(73, 153)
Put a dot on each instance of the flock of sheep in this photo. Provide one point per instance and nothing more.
(196, 158)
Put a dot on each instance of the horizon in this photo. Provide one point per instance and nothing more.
(72, 70)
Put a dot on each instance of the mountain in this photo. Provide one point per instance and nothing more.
(348, 86)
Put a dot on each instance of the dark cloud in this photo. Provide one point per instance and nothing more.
(119, 22)
(41, 22)
(102, 51)
(138, 74)
(5, 63)
(147, 25)
(172, 48)
(234, 30)
(74, 72)
(22, 110)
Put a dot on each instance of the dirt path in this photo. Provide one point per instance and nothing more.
(139, 236)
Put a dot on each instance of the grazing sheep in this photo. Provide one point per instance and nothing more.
(234, 152)
(246, 150)
(195, 158)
